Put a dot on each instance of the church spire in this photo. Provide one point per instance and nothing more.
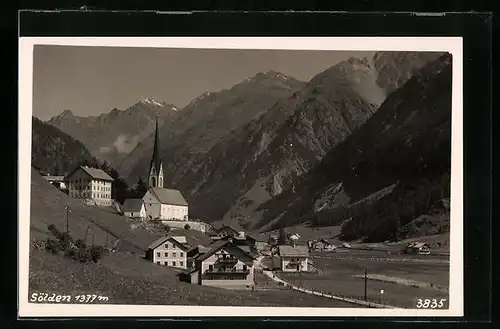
(156, 168)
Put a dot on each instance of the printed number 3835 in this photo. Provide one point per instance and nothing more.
(430, 303)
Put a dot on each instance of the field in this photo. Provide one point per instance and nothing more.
(342, 274)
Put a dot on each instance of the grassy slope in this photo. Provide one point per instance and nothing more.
(123, 276)
(128, 279)
(47, 207)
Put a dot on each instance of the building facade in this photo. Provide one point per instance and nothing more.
(90, 185)
(293, 258)
(169, 251)
(224, 266)
(134, 208)
(165, 204)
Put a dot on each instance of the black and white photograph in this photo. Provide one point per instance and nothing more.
(240, 176)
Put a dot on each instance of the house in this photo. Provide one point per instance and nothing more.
(261, 243)
(293, 258)
(322, 245)
(346, 245)
(91, 185)
(169, 251)
(134, 208)
(420, 248)
(223, 230)
(224, 265)
(57, 181)
(162, 203)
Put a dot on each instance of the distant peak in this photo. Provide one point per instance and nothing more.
(152, 101)
(66, 113)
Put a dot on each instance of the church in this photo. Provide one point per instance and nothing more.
(159, 202)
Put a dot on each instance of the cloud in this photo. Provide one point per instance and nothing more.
(123, 144)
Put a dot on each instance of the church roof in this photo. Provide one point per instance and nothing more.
(168, 196)
(156, 159)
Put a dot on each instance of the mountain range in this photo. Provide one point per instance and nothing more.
(264, 157)
(274, 151)
(110, 136)
(393, 169)
(54, 151)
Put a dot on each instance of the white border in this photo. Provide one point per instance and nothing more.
(452, 45)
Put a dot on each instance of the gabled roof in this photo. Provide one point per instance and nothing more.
(94, 173)
(293, 251)
(417, 244)
(132, 205)
(231, 225)
(193, 237)
(168, 196)
(54, 178)
(229, 247)
(173, 239)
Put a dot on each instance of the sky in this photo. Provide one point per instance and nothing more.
(94, 80)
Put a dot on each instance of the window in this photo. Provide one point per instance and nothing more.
(166, 254)
(181, 263)
(157, 254)
(166, 263)
(166, 245)
(158, 263)
(173, 263)
(181, 254)
(174, 254)
(210, 268)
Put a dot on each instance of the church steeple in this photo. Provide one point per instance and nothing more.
(156, 166)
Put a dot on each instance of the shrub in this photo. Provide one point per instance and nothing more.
(96, 253)
(52, 246)
(187, 227)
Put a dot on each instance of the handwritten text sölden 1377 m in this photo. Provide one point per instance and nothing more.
(44, 297)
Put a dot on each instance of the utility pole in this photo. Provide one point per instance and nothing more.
(366, 280)
(67, 218)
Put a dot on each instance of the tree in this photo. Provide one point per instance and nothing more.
(282, 238)
(140, 188)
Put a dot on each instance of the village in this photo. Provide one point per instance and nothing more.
(226, 256)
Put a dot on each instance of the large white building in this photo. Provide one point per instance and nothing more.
(90, 185)
(159, 202)
(169, 251)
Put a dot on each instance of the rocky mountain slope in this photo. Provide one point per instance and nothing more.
(389, 172)
(263, 158)
(54, 151)
(204, 121)
(110, 136)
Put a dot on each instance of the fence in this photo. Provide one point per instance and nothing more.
(350, 299)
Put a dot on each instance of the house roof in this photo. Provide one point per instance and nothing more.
(231, 225)
(168, 196)
(417, 244)
(229, 247)
(180, 239)
(293, 251)
(132, 205)
(193, 237)
(54, 178)
(95, 173)
(175, 239)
